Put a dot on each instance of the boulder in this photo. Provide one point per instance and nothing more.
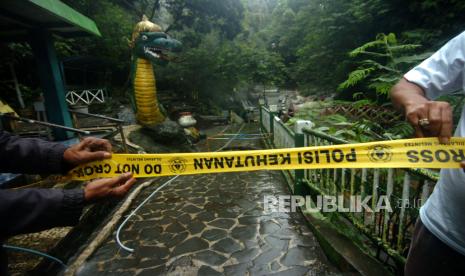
(167, 133)
(145, 139)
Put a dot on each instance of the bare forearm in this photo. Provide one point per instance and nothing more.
(411, 99)
(405, 94)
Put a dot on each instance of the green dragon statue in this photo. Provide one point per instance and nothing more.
(149, 44)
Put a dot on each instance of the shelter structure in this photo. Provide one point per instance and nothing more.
(36, 22)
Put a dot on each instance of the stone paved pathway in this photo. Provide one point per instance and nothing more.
(214, 225)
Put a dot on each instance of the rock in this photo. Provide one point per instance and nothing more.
(148, 233)
(227, 245)
(185, 261)
(184, 219)
(222, 223)
(150, 263)
(206, 216)
(275, 266)
(236, 270)
(244, 232)
(268, 227)
(177, 239)
(276, 242)
(294, 271)
(191, 209)
(246, 255)
(207, 271)
(247, 220)
(175, 227)
(151, 142)
(145, 140)
(297, 256)
(152, 252)
(262, 269)
(191, 245)
(167, 132)
(214, 234)
(195, 227)
(267, 257)
(210, 257)
(159, 270)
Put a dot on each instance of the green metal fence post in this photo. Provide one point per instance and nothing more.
(299, 141)
(272, 114)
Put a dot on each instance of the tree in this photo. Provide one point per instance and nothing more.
(115, 25)
(201, 16)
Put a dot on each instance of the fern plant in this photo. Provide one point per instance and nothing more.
(381, 64)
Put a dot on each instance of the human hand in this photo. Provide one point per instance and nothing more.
(108, 187)
(88, 150)
(436, 117)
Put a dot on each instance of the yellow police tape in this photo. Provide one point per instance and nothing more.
(407, 153)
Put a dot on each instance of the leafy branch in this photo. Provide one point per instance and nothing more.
(381, 64)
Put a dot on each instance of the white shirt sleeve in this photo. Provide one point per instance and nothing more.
(442, 73)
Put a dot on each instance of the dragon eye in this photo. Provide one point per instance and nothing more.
(144, 37)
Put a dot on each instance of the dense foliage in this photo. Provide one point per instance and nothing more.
(294, 43)
(382, 63)
(353, 48)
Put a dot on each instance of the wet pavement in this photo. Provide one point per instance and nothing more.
(213, 224)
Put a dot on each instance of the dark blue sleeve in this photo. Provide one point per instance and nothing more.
(33, 210)
(30, 155)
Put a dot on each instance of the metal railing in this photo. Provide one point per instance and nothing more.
(283, 137)
(404, 189)
(46, 124)
(117, 123)
(85, 96)
(265, 119)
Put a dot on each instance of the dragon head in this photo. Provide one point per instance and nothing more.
(150, 42)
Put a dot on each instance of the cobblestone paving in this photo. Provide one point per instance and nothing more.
(213, 224)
